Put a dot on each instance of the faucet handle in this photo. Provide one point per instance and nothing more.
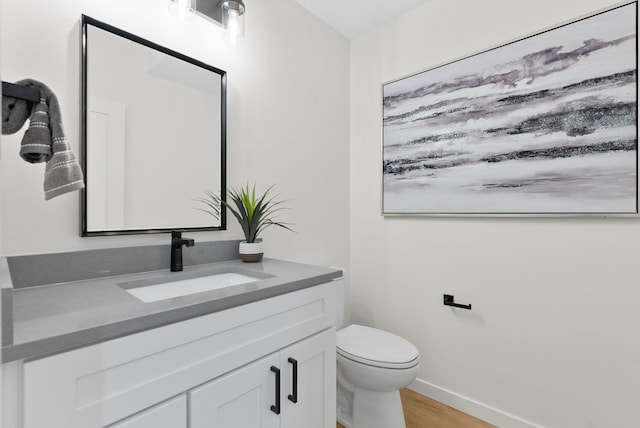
(177, 239)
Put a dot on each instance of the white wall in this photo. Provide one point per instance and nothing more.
(288, 118)
(553, 335)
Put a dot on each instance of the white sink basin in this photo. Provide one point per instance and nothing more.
(168, 287)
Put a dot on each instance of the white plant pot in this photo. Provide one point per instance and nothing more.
(251, 252)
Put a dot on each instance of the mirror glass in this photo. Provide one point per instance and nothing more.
(154, 135)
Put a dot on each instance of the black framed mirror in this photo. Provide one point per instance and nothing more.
(153, 135)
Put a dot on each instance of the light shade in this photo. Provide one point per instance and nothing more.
(183, 9)
(232, 20)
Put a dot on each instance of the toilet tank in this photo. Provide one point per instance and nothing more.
(341, 296)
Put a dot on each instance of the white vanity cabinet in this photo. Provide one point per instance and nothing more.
(210, 371)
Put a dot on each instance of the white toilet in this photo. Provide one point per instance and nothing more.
(372, 366)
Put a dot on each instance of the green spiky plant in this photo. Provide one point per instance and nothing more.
(254, 212)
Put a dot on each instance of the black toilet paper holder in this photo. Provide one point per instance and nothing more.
(450, 301)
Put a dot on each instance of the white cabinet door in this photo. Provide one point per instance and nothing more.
(170, 414)
(247, 397)
(242, 398)
(309, 398)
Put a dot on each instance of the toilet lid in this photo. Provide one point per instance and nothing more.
(375, 347)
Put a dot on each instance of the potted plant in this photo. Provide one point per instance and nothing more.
(254, 212)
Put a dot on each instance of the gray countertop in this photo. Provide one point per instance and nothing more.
(48, 319)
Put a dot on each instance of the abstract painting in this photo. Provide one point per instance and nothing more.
(542, 125)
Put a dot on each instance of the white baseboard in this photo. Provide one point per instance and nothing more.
(467, 405)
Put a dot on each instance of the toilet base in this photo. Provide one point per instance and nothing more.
(373, 409)
(344, 401)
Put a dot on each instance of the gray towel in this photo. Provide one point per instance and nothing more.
(45, 141)
(36, 144)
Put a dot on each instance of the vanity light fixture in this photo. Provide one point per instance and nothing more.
(227, 13)
(182, 9)
(233, 20)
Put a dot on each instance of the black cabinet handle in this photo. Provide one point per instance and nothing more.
(276, 408)
(449, 301)
(294, 397)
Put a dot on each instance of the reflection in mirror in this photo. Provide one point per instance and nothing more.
(154, 135)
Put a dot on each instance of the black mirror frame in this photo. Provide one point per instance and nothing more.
(86, 20)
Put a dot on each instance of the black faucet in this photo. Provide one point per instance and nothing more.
(176, 250)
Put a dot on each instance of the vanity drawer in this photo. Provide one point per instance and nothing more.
(100, 384)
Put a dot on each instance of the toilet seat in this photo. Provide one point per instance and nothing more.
(377, 348)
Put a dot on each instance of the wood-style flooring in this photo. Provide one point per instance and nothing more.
(423, 412)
